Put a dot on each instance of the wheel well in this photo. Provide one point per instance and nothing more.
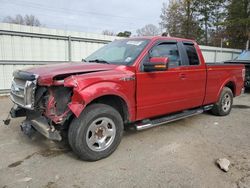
(231, 86)
(116, 102)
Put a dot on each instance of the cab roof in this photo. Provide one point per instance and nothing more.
(154, 38)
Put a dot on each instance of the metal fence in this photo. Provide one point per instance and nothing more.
(218, 55)
(25, 46)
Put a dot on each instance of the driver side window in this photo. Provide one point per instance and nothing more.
(167, 50)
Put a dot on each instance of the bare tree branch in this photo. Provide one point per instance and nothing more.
(30, 20)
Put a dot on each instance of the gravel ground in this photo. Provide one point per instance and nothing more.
(179, 154)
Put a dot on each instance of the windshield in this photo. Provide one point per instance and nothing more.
(120, 52)
(245, 56)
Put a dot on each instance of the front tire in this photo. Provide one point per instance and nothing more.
(224, 105)
(96, 133)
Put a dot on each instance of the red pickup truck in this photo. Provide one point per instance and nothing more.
(140, 82)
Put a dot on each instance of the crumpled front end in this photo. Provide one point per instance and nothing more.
(45, 107)
(49, 106)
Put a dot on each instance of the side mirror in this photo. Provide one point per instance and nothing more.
(156, 64)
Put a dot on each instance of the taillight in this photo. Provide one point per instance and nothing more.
(243, 74)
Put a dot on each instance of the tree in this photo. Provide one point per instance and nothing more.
(179, 20)
(17, 20)
(124, 34)
(238, 23)
(204, 10)
(171, 18)
(148, 30)
(191, 27)
(30, 20)
(196, 19)
(218, 32)
(109, 33)
(219, 13)
(211, 14)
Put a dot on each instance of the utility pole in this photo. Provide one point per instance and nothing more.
(248, 37)
(221, 44)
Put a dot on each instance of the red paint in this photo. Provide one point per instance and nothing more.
(48, 72)
(150, 93)
(164, 60)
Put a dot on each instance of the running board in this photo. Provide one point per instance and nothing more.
(145, 124)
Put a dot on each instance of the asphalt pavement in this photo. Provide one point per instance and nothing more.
(178, 154)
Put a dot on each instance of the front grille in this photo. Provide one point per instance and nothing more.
(23, 90)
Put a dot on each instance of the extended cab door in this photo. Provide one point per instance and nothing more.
(180, 87)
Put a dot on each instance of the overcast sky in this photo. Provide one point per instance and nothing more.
(88, 15)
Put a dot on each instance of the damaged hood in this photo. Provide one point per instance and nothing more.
(48, 73)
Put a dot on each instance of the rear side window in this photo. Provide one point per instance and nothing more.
(192, 54)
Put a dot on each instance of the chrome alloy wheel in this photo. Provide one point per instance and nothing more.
(101, 134)
(226, 102)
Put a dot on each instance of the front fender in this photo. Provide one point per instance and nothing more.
(81, 98)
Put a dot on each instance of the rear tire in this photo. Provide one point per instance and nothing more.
(224, 105)
(96, 133)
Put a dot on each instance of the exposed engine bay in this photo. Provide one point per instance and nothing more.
(52, 102)
(44, 107)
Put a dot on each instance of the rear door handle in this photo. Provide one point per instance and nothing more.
(182, 76)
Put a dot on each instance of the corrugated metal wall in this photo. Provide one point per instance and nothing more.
(19, 45)
(6, 74)
(215, 54)
(19, 42)
(25, 46)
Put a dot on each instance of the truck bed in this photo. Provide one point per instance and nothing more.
(218, 74)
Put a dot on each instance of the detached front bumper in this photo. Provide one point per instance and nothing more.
(36, 122)
(41, 125)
